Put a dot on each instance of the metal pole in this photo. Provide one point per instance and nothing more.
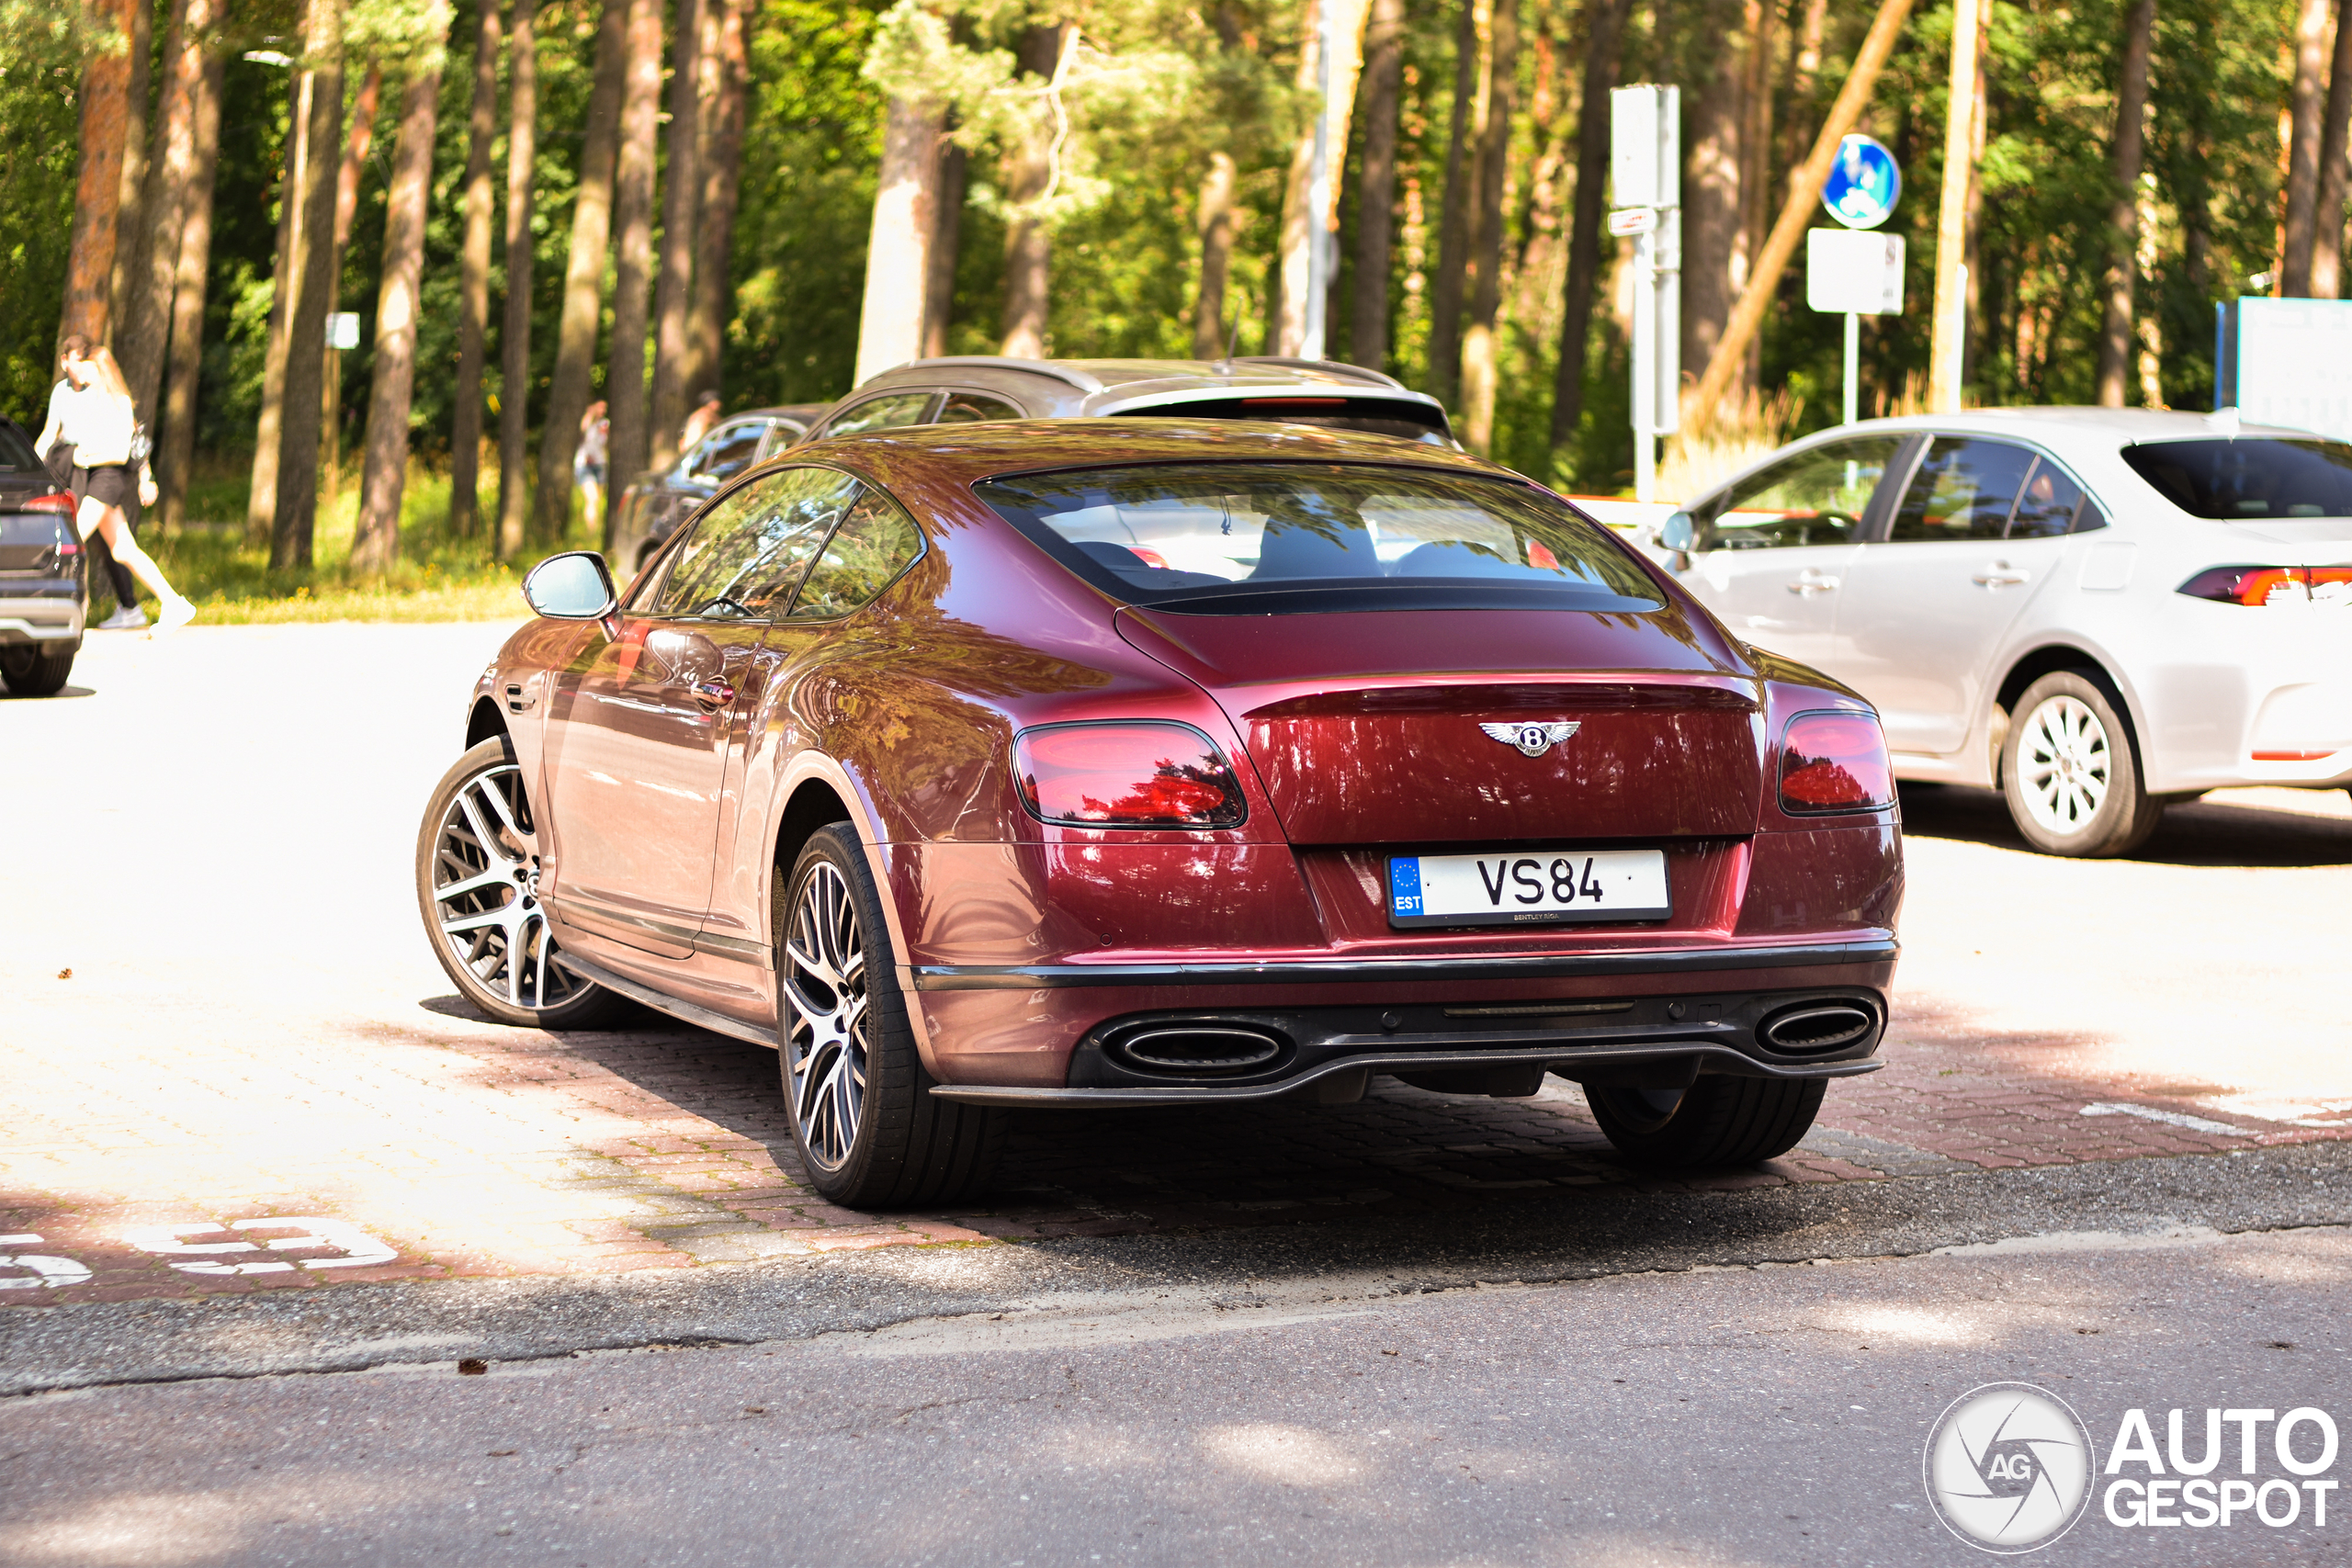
(1853, 364)
(1646, 366)
(1318, 196)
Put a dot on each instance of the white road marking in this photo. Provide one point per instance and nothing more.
(2171, 1118)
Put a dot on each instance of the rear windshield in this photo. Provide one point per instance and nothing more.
(1273, 539)
(15, 453)
(1375, 416)
(2256, 476)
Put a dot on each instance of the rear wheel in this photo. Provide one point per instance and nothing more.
(33, 671)
(2068, 773)
(478, 885)
(871, 1134)
(1715, 1122)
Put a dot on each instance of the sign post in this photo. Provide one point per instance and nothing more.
(1645, 177)
(1851, 270)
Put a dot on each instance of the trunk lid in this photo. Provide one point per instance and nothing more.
(1370, 728)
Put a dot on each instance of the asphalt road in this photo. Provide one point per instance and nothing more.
(213, 836)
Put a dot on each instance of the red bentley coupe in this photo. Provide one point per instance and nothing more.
(1142, 762)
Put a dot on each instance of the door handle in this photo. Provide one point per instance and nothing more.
(714, 696)
(2000, 574)
(1810, 581)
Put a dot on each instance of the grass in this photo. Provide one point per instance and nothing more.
(438, 576)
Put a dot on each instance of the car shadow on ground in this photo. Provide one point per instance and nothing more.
(2202, 832)
(7, 695)
(1399, 1150)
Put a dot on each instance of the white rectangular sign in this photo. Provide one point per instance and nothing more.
(2293, 364)
(1854, 271)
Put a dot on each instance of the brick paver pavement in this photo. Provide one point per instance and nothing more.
(172, 1082)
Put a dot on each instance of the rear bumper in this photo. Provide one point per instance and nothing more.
(1054, 1034)
(48, 617)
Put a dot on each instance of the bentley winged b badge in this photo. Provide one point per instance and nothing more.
(1534, 739)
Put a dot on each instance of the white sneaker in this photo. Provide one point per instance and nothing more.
(176, 612)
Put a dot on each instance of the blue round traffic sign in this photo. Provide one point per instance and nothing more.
(1863, 183)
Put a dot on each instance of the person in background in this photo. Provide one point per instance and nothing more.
(699, 423)
(66, 471)
(91, 407)
(588, 463)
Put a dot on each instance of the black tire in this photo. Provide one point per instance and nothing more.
(871, 1134)
(35, 671)
(538, 993)
(1715, 1122)
(2070, 773)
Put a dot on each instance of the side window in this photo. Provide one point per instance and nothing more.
(1965, 490)
(971, 407)
(1814, 498)
(726, 452)
(2047, 505)
(876, 543)
(750, 547)
(880, 414)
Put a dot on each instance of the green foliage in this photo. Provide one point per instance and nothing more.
(39, 125)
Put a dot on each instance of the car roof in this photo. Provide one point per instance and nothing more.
(1098, 386)
(800, 413)
(2068, 423)
(967, 453)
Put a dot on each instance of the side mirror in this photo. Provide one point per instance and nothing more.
(1677, 534)
(575, 586)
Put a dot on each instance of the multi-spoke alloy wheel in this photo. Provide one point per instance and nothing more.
(2069, 772)
(478, 883)
(825, 1044)
(871, 1134)
(2064, 760)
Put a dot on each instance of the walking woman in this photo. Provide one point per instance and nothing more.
(588, 462)
(92, 410)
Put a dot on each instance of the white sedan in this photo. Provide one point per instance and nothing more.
(2094, 610)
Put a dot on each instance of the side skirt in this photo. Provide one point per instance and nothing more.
(685, 1012)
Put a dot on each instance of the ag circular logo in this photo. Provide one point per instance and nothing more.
(2009, 1468)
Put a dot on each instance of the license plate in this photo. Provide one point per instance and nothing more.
(1529, 889)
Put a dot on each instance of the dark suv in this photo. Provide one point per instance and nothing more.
(44, 576)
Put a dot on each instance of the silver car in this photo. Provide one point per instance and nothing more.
(2095, 610)
(1296, 391)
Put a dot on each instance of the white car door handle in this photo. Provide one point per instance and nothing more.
(2001, 575)
(1810, 581)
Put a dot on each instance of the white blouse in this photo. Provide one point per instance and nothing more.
(96, 421)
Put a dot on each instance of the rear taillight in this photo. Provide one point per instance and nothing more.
(2258, 585)
(59, 503)
(1834, 762)
(1126, 775)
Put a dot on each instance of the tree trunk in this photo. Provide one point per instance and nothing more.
(2328, 238)
(294, 518)
(97, 187)
(130, 199)
(1028, 238)
(261, 490)
(147, 313)
(2123, 217)
(1715, 266)
(1303, 228)
(1755, 151)
(473, 281)
(633, 255)
(946, 239)
(515, 342)
(1486, 256)
(358, 141)
(1466, 128)
(897, 248)
(673, 291)
(584, 277)
(377, 543)
(1383, 75)
(729, 64)
(176, 448)
(1947, 339)
(1973, 215)
(2303, 150)
(1210, 337)
(1603, 48)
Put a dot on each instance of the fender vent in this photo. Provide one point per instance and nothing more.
(1193, 1050)
(1823, 1026)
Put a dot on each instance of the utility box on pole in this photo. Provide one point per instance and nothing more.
(1646, 178)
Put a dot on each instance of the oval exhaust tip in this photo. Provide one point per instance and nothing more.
(1200, 1049)
(1824, 1027)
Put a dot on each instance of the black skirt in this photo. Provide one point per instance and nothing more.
(110, 484)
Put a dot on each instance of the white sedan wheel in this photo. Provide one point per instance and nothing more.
(2065, 764)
